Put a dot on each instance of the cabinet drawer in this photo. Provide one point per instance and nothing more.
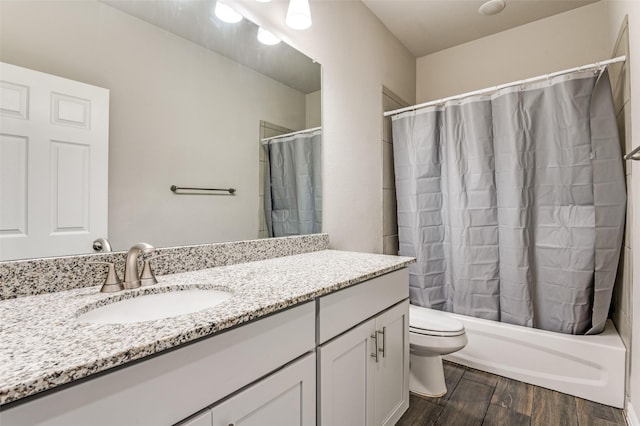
(346, 308)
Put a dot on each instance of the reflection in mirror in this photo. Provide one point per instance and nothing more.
(293, 186)
(189, 99)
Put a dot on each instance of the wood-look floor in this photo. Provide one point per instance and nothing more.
(478, 398)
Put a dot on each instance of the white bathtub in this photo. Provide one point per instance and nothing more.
(589, 367)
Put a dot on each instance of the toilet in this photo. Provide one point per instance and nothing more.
(432, 334)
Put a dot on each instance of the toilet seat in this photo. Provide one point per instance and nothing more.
(430, 322)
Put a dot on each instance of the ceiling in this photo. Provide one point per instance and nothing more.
(427, 26)
(423, 26)
(194, 21)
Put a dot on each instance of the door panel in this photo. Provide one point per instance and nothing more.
(392, 369)
(69, 187)
(346, 378)
(286, 398)
(13, 185)
(53, 164)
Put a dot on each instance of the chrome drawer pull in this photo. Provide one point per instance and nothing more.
(374, 336)
(384, 341)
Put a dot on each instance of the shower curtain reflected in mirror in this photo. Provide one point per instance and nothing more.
(514, 203)
(293, 184)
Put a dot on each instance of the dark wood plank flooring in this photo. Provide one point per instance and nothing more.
(478, 398)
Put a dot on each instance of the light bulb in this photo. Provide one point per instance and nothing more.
(266, 37)
(226, 14)
(492, 7)
(298, 15)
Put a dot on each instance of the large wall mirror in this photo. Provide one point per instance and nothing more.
(189, 99)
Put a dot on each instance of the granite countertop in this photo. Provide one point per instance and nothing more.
(44, 346)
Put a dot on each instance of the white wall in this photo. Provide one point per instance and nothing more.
(569, 39)
(175, 117)
(358, 55)
(617, 10)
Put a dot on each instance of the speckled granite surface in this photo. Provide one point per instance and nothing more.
(44, 346)
(39, 276)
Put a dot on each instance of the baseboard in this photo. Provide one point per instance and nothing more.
(632, 416)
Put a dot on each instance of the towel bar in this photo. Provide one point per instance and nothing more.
(175, 189)
(632, 155)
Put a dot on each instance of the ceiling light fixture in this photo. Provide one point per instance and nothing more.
(226, 14)
(492, 7)
(298, 15)
(267, 37)
(263, 1)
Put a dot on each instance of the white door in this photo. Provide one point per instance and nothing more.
(286, 398)
(347, 378)
(54, 147)
(392, 368)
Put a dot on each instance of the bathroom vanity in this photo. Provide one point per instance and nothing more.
(319, 337)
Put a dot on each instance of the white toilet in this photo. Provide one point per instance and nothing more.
(432, 334)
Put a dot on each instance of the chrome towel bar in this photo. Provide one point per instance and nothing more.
(632, 155)
(175, 189)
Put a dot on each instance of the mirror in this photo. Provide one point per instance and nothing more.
(190, 97)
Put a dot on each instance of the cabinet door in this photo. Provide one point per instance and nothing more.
(392, 368)
(285, 398)
(54, 150)
(346, 370)
(203, 419)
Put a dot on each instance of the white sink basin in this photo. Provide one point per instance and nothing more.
(155, 306)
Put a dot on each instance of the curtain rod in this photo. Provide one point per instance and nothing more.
(599, 64)
(292, 133)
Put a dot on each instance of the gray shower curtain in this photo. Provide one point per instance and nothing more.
(514, 203)
(293, 184)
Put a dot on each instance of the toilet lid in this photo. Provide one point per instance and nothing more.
(427, 320)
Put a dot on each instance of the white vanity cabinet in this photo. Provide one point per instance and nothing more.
(202, 419)
(363, 370)
(285, 398)
(306, 365)
(170, 387)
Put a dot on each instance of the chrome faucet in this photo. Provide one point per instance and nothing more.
(131, 276)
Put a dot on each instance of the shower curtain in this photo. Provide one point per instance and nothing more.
(293, 184)
(514, 203)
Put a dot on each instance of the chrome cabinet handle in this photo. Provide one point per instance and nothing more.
(383, 350)
(374, 336)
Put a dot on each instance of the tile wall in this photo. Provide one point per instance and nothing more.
(390, 101)
(622, 293)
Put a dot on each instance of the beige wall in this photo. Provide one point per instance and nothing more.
(358, 55)
(630, 301)
(562, 41)
(175, 117)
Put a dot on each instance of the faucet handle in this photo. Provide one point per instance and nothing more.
(148, 277)
(112, 283)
